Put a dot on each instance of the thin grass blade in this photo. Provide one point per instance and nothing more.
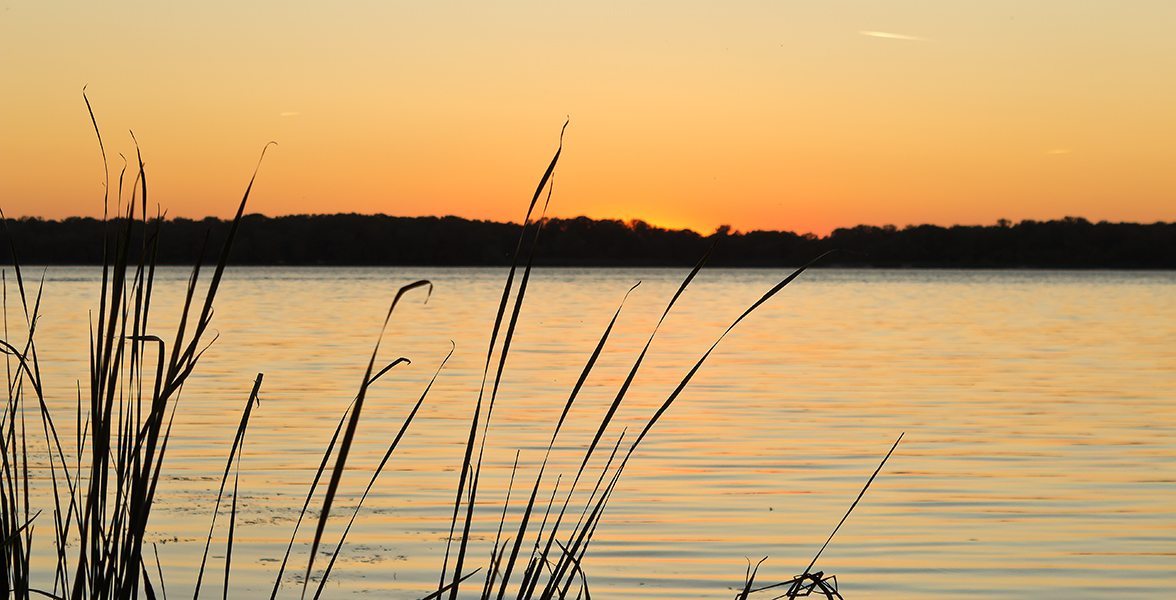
(380, 468)
(855, 502)
(237, 439)
(349, 433)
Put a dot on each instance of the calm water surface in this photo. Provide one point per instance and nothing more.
(1039, 409)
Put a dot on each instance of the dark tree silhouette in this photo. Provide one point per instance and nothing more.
(352, 239)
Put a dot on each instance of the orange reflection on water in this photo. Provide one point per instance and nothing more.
(1038, 458)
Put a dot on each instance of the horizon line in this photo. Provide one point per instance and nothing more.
(723, 228)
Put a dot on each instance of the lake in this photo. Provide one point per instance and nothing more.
(1039, 411)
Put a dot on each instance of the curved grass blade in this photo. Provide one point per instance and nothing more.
(749, 579)
(690, 375)
(14, 536)
(587, 369)
(380, 468)
(855, 502)
(576, 569)
(437, 594)
(314, 484)
(224, 478)
(612, 409)
(349, 433)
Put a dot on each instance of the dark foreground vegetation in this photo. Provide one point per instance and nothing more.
(352, 239)
(94, 490)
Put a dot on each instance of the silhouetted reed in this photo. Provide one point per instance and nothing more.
(101, 504)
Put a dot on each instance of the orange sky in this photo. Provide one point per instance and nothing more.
(804, 116)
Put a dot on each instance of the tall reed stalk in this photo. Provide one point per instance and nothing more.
(101, 501)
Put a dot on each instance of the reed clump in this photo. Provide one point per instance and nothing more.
(104, 485)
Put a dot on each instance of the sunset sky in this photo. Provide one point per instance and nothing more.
(803, 116)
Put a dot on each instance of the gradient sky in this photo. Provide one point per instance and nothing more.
(804, 116)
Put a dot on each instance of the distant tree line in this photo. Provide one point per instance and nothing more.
(352, 239)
